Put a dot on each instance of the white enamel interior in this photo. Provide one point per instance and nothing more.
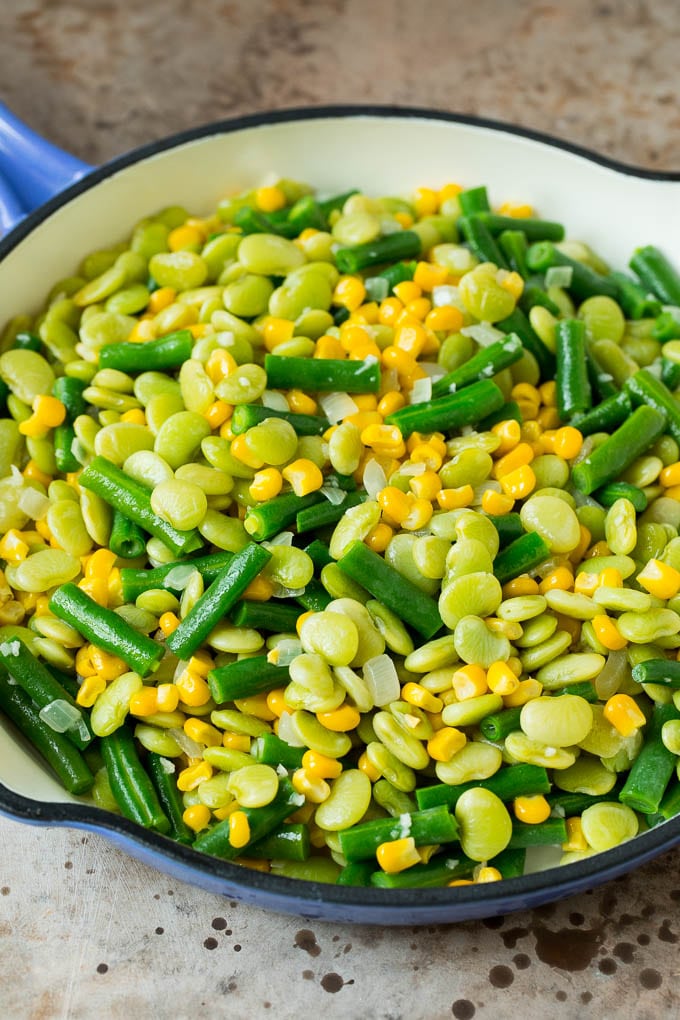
(614, 212)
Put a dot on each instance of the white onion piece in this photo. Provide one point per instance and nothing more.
(559, 276)
(168, 766)
(421, 391)
(287, 650)
(374, 478)
(283, 538)
(275, 400)
(483, 333)
(60, 716)
(33, 503)
(446, 294)
(381, 677)
(337, 406)
(412, 468)
(179, 577)
(432, 369)
(333, 493)
(189, 746)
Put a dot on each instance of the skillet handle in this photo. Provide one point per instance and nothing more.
(32, 169)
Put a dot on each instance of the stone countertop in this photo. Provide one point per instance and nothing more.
(85, 930)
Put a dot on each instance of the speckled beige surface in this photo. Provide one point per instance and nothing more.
(84, 930)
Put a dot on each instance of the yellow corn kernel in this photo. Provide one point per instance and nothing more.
(266, 484)
(379, 537)
(548, 393)
(217, 413)
(394, 503)
(368, 768)
(193, 690)
(202, 732)
(487, 874)
(450, 190)
(509, 433)
(320, 765)
(531, 810)
(276, 331)
(201, 662)
(607, 633)
(522, 585)
(419, 310)
(167, 697)
(48, 412)
(610, 577)
(459, 881)
(428, 275)
(135, 416)
(519, 483)
(340, 720)
(192, 776)
(406, 291)
(185, 237)
(670, 476)
(659, 579)
(42, 607)
(389, 310)
(236, 741)
(390, 403)
(404, 218)
(107, 665)
(410, 337)
(349, 292)
(84, 665)
(418, 516)
(329, 347)
(519, 456)
(445, 743)
(368, 313)
(575, 838)
(425, 201)
(469, 682)
(417, 695)
(220, 364)
(496, 503)
(255, 705)
(444, 319)
(560, 578)
(239, 829)
(501, 679)
(425, 486)
(196, 817)
(144, 702)
(577, 554)
(301, 402)
(239, 448)
(36, 474)
(276, 701)
(624, 714)
(260, 589)
(585, 583)
(303, 476)
(454, 499)
(269, 198)
(168, 622)
(512, 282)
(397, 855)
(89, 690)
(315, 789)
(13, 549)
(599, 549)
(145, 329)
(520, 210)
(160, 299)
(568, 442)
(527, 690)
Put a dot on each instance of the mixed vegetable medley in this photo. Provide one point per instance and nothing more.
(340, 536)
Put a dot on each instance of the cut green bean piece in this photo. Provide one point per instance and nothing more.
(617, 453)
(105, 628)
(570, 804)
(323, 374)
(437, 872)
(130, 784)
(321, 514)
(474, 200)
(434, 825)
(510, 862)
(170, 351)
(388, 586)
(552, 832)
(657, 274)
(276, 515)
(59, 753)
(356, 873)
(286, 843)
(518, 323)
(533, 229)
(509, 527)
(272, 616)
(246, 416)
(271, 750)
(171, 576)
(636, 302)
(520, 556)
(444, 414)
(164, 779)
(609, 494)
(246, 677)
(652, 769)
(499, 724)
(127, 539)
(513, 243)
(605, 416)
(643, 388)
(573, 386)
(261, 821)
(216, 602)
(403, 244)
(481, 241)
(487, 362)
(513, 781)
(658, 671)
(585, 282)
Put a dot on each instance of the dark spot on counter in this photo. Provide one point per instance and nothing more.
(650, 978)
(210, 943)
(5, 890)
(306, 939)
(266, 1005)
(521, 961)
(237, 948)
(576, 919)
(607, 966)
(586, 997)
(232, 986)
(624, 951)
(463, 1009)
(675, 894)
(89, 871)
(494, 922)
(547, 910)
(219, 923)
(501, 976)
(627, 919)
(308, 975)
(643, 939)
(567, 949)
(347, 948)
(332, 982)
(561, 996)
(171, 892)
(68, 865)
(648, 910)
(160, 931)
(512, 936)
(608, 903)
(233, 904)
(84, 840)
(665, 934)
(157, 896)
(103, 967)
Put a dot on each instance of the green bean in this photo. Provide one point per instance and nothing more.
(652, 769)
(585, 282)
(246, 416)
(532, 228)
(573, 387)
(467, 407)
(618, 452)
(319, 374)
(244, 678)
(508, 783)
(434, 825)
(404, 244)
(513, 243)
(552, 832)
(657, 274)
(643, 389)
(271, 750)
(481, 240)
(518, 323)
(288, 842)
(520, 556)
(170, 798)
(262, 821)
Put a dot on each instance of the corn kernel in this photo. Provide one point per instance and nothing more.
(404, 218)
(196, 817)
(276, 701)
(670, 476)
(368, 768)
(531, 810)
(522, 585)
(167, 697)
(397, 854)
(320, 765)
(425, 201)
(527, 690)
(428, 275)
(501, 679)
(575, 838)
(516, 209)
(266, 484)
(607, 633)
(186, 237)
(624, 714)
(89, 690)
(349, 292)
(315, 789)
(519, 483)
(561, 578)
(107, 665)
(160, 299)
(193, 690)
(240, 449)
(444, 319)
(659, 579)
(35, 474)
(219, 365)
(202, 732)
(329, 347)
(417, 695)
(407, 291)
(519, 456)
(379, 537)
(454, 499)
(610, 577)
(255, 705)
(567, 442)
(218, 413)
(496, 503)
(445, 743)
(509, 433)
(426, 486)
(144, 330)
(270, 198)
(192, 776)
(239, 829)
(389, 310)
(144, 702)
(236, 741)
(487, 874)
(585, 583)
(340, 720)
(13, 549)
(469, 682)
(512, 282)
(168, 622)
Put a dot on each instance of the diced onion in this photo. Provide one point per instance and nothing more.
(337, 406)
(60, 716)
(432, 369)
(33, 503)
(405, 823)
(382, 679)
(374, 478)
(283, 538)
(168, 766)
(446, 294)
(178, 578)
(288, 649)
(333, 493)
(559, 276)
(482, 333)
(189, 746)
(421, 391)
(410, 468)
(275, 400)
(377, 288)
